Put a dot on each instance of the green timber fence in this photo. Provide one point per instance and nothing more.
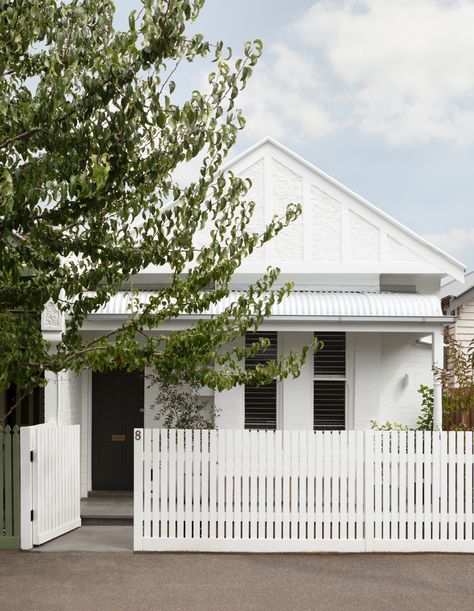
(9, 487)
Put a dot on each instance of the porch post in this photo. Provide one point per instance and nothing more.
(438, 361)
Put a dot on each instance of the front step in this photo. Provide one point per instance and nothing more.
(107, 509)
(104, 520)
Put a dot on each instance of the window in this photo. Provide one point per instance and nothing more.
(261, 401)
(329, 399)
(28, 412)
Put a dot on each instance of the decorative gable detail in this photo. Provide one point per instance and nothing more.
(287, 186)
(364, 239)
(256, 193)
(338, 232)
(399, 252)
(326, 226)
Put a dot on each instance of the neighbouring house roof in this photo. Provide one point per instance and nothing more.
(456, 294)
(312, 305)
(455, 288)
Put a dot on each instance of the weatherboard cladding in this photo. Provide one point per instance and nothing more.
(312, 304)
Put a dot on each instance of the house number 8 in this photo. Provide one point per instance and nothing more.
(138, 435)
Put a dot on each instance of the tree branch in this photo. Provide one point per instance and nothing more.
(14, 406)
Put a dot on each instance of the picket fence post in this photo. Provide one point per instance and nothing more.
(10, 499)
(368, 489)
(26, 439)
(138, 467)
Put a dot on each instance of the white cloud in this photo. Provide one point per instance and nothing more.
(406, 66)
(457, 242)
(284, 99)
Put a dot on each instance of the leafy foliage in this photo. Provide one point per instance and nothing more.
(425, 419)
(457, 380)
(389, 426)
(91, 133)
(179, 406)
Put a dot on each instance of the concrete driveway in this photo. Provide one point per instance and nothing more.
(198, 582)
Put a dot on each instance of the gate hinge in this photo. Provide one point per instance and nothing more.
(31, 455)
(31, 515)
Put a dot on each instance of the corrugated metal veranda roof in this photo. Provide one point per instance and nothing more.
(313, 304)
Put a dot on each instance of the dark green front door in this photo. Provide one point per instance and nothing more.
(117, 401)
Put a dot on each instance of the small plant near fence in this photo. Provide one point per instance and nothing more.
(425, 419)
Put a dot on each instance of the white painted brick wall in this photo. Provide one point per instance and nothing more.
(73, 396)
(66, 387)
(364, 382)
(70, 395)
(405, 365)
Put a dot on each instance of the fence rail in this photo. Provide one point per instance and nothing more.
(9, 487)
(276, 491)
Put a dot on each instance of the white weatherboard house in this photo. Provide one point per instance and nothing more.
(364, 283)
(458, 300)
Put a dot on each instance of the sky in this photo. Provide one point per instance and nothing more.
(377, 93)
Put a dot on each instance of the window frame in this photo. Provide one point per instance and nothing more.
(277, 385)
(337, 377)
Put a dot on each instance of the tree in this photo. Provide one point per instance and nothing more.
(91, 133)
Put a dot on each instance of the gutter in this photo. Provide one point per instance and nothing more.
(445, 320)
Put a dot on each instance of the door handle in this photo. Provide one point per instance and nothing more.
(118, 437)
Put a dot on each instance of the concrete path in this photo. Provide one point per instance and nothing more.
(92, 539)
(206, 582)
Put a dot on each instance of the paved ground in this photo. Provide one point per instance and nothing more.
(92, 539)
(198, 582)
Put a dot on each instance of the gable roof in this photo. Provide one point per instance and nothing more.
(401, 240)
(455, 294)
(455, 288)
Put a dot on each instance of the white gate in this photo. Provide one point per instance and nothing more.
(50, 482)
(302, 491)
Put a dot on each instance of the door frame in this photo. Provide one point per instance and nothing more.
(87, 398)
(86, 429)
(86, 432)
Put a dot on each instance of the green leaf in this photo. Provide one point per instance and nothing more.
(131, 21)
(161, 119)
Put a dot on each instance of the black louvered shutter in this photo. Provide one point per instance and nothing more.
(330, 383)
(260, 401)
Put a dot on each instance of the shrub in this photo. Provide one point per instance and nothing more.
(425, 419)
(179, 406)
(457, 380)
(389, 426)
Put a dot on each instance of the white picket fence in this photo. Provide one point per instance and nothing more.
(50, 482)
(262, 491)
